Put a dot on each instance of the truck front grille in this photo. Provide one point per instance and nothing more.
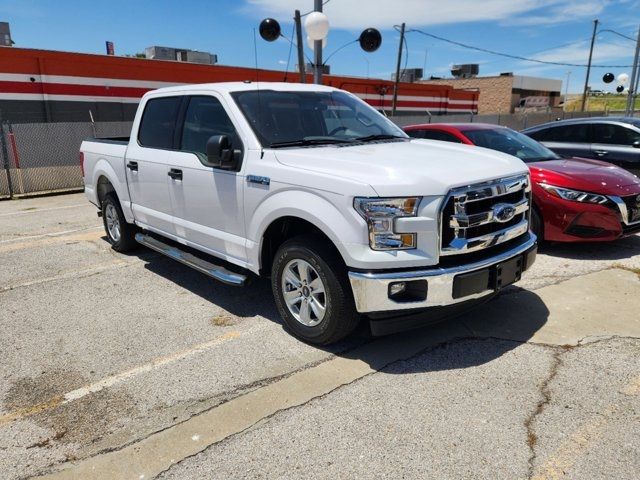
(480, 216)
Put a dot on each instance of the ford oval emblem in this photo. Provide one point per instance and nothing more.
(503, 212)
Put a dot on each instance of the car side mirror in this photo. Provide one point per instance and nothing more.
(220, 153)
(636, 144)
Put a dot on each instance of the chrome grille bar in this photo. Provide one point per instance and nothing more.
(459, 227)
(490, 189)
(483, 218)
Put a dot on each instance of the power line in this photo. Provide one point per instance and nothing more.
(617, 33)
(286, 70)
(508, 55)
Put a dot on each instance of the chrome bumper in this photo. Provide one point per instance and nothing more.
(371, 290)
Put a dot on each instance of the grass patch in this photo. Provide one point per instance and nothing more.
(222, 321)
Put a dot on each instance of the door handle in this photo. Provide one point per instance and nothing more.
(175, 174)
(133, 166)
(600, 153)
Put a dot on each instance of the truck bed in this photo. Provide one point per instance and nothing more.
(117, 140)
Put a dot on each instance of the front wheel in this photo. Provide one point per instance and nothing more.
(312, 292)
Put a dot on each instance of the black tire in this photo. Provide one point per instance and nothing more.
(340, 316)
(537, 226)
(111, 210)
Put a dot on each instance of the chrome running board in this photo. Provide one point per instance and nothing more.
(214, 271)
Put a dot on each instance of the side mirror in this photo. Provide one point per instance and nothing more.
(220, 153)
(636, 144)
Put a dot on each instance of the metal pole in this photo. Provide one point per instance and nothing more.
(397, 79)
(635, 95)
(5, 156)
(586, 80)
(566, 91)
(317, 50)
(300, 47)
(634, 75)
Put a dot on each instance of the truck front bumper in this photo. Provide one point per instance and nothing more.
(437, 287)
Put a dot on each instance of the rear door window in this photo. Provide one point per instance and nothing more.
(578, 133)
(611, 134)
(158, 124)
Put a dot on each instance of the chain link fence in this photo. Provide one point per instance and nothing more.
(44, 157)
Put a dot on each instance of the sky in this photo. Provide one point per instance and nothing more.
(548, 30)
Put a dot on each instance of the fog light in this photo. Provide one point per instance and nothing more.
(408, 291)
(397, 288)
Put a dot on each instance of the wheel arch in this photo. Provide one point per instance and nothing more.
(282, 229)
(106, 180)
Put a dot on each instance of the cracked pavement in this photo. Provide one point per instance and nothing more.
(118, 366)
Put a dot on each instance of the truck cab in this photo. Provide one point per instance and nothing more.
(311, 187)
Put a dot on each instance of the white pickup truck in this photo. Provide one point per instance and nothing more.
(310, 186)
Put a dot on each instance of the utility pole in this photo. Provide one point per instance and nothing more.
(397, 79)
(631, 92)
(300, 46)
(317, 50)
(566, 90)
(586, 80)
(633, 104)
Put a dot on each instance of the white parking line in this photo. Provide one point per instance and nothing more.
(71, 274)
(51, 234)
(120, 377)
(37, 210)
(159, 362)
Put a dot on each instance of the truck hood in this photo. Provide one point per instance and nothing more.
(416, 167)
(587, 175)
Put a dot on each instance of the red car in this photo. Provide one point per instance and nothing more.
(574, 199)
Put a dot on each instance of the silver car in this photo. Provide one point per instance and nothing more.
(610, 139)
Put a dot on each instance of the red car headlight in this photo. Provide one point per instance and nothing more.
(574, 195)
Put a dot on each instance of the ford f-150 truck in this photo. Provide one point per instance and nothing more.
(312, 187)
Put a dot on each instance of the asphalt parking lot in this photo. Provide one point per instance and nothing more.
(134, 366)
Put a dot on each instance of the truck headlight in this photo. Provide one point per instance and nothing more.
(380, 214)
(574, 195)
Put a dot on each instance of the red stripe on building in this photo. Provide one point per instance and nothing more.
(71, 89)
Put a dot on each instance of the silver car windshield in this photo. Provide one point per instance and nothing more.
(511, 142)
(299, 118)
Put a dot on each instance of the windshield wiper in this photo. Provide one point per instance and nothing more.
(303, 142)
(379, 136)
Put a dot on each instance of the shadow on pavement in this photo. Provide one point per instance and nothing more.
(617, 250)
(510, 319)
(485, 333)
(249, 301)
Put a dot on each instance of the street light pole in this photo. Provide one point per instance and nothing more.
(631, 92)
(635, 89)
(317, 50)
(299, 46)
(397, 79)
(586, 80)
(566, 90)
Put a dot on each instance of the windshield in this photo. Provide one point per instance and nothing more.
(511, 142)
(283, 119)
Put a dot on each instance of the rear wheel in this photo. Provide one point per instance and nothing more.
(121, 235)
(312, 292)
